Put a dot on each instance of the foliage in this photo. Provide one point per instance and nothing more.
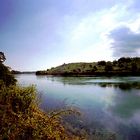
(6, 76)
(124, 60)
(108, 67)
(134, 67)
(102, 63)
(2, 57)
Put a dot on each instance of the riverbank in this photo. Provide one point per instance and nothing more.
(95, 74)
(120, 67)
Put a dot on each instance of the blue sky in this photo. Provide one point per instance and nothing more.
(40, 34)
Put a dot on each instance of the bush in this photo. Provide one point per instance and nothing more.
(6, 76)
(108, 67)
(134, 67)
(102, 63)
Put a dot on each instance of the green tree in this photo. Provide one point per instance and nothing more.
(102, 63)
(134, 67)
(2, 57)
(94, 69)
(124, 60)
(115, 63)
(5, 74)
(108, 67)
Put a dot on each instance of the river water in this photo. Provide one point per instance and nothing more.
(107, 103)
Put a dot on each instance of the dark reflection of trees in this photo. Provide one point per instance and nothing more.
(88, 81)
(122, 86)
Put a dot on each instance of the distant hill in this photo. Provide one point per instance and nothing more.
(122, 66)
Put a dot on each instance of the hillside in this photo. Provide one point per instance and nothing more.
(122, 66)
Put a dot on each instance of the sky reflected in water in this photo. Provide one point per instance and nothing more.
(109, 103)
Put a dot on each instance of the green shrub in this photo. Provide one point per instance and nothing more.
(6, 76)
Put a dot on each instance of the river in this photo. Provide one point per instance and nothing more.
(107, 103)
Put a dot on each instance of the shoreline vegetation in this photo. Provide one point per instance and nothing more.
(124, 66)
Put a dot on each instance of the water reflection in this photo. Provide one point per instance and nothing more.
(111, 104)
(122, 86)
(123, 83)
(114, 107)
(127, 105)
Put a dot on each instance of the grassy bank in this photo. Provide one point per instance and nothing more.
(120, 67)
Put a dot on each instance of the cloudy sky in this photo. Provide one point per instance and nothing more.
(39, 34)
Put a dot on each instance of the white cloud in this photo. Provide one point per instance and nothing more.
(125, 42)
(135, 24)
(87, 40)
